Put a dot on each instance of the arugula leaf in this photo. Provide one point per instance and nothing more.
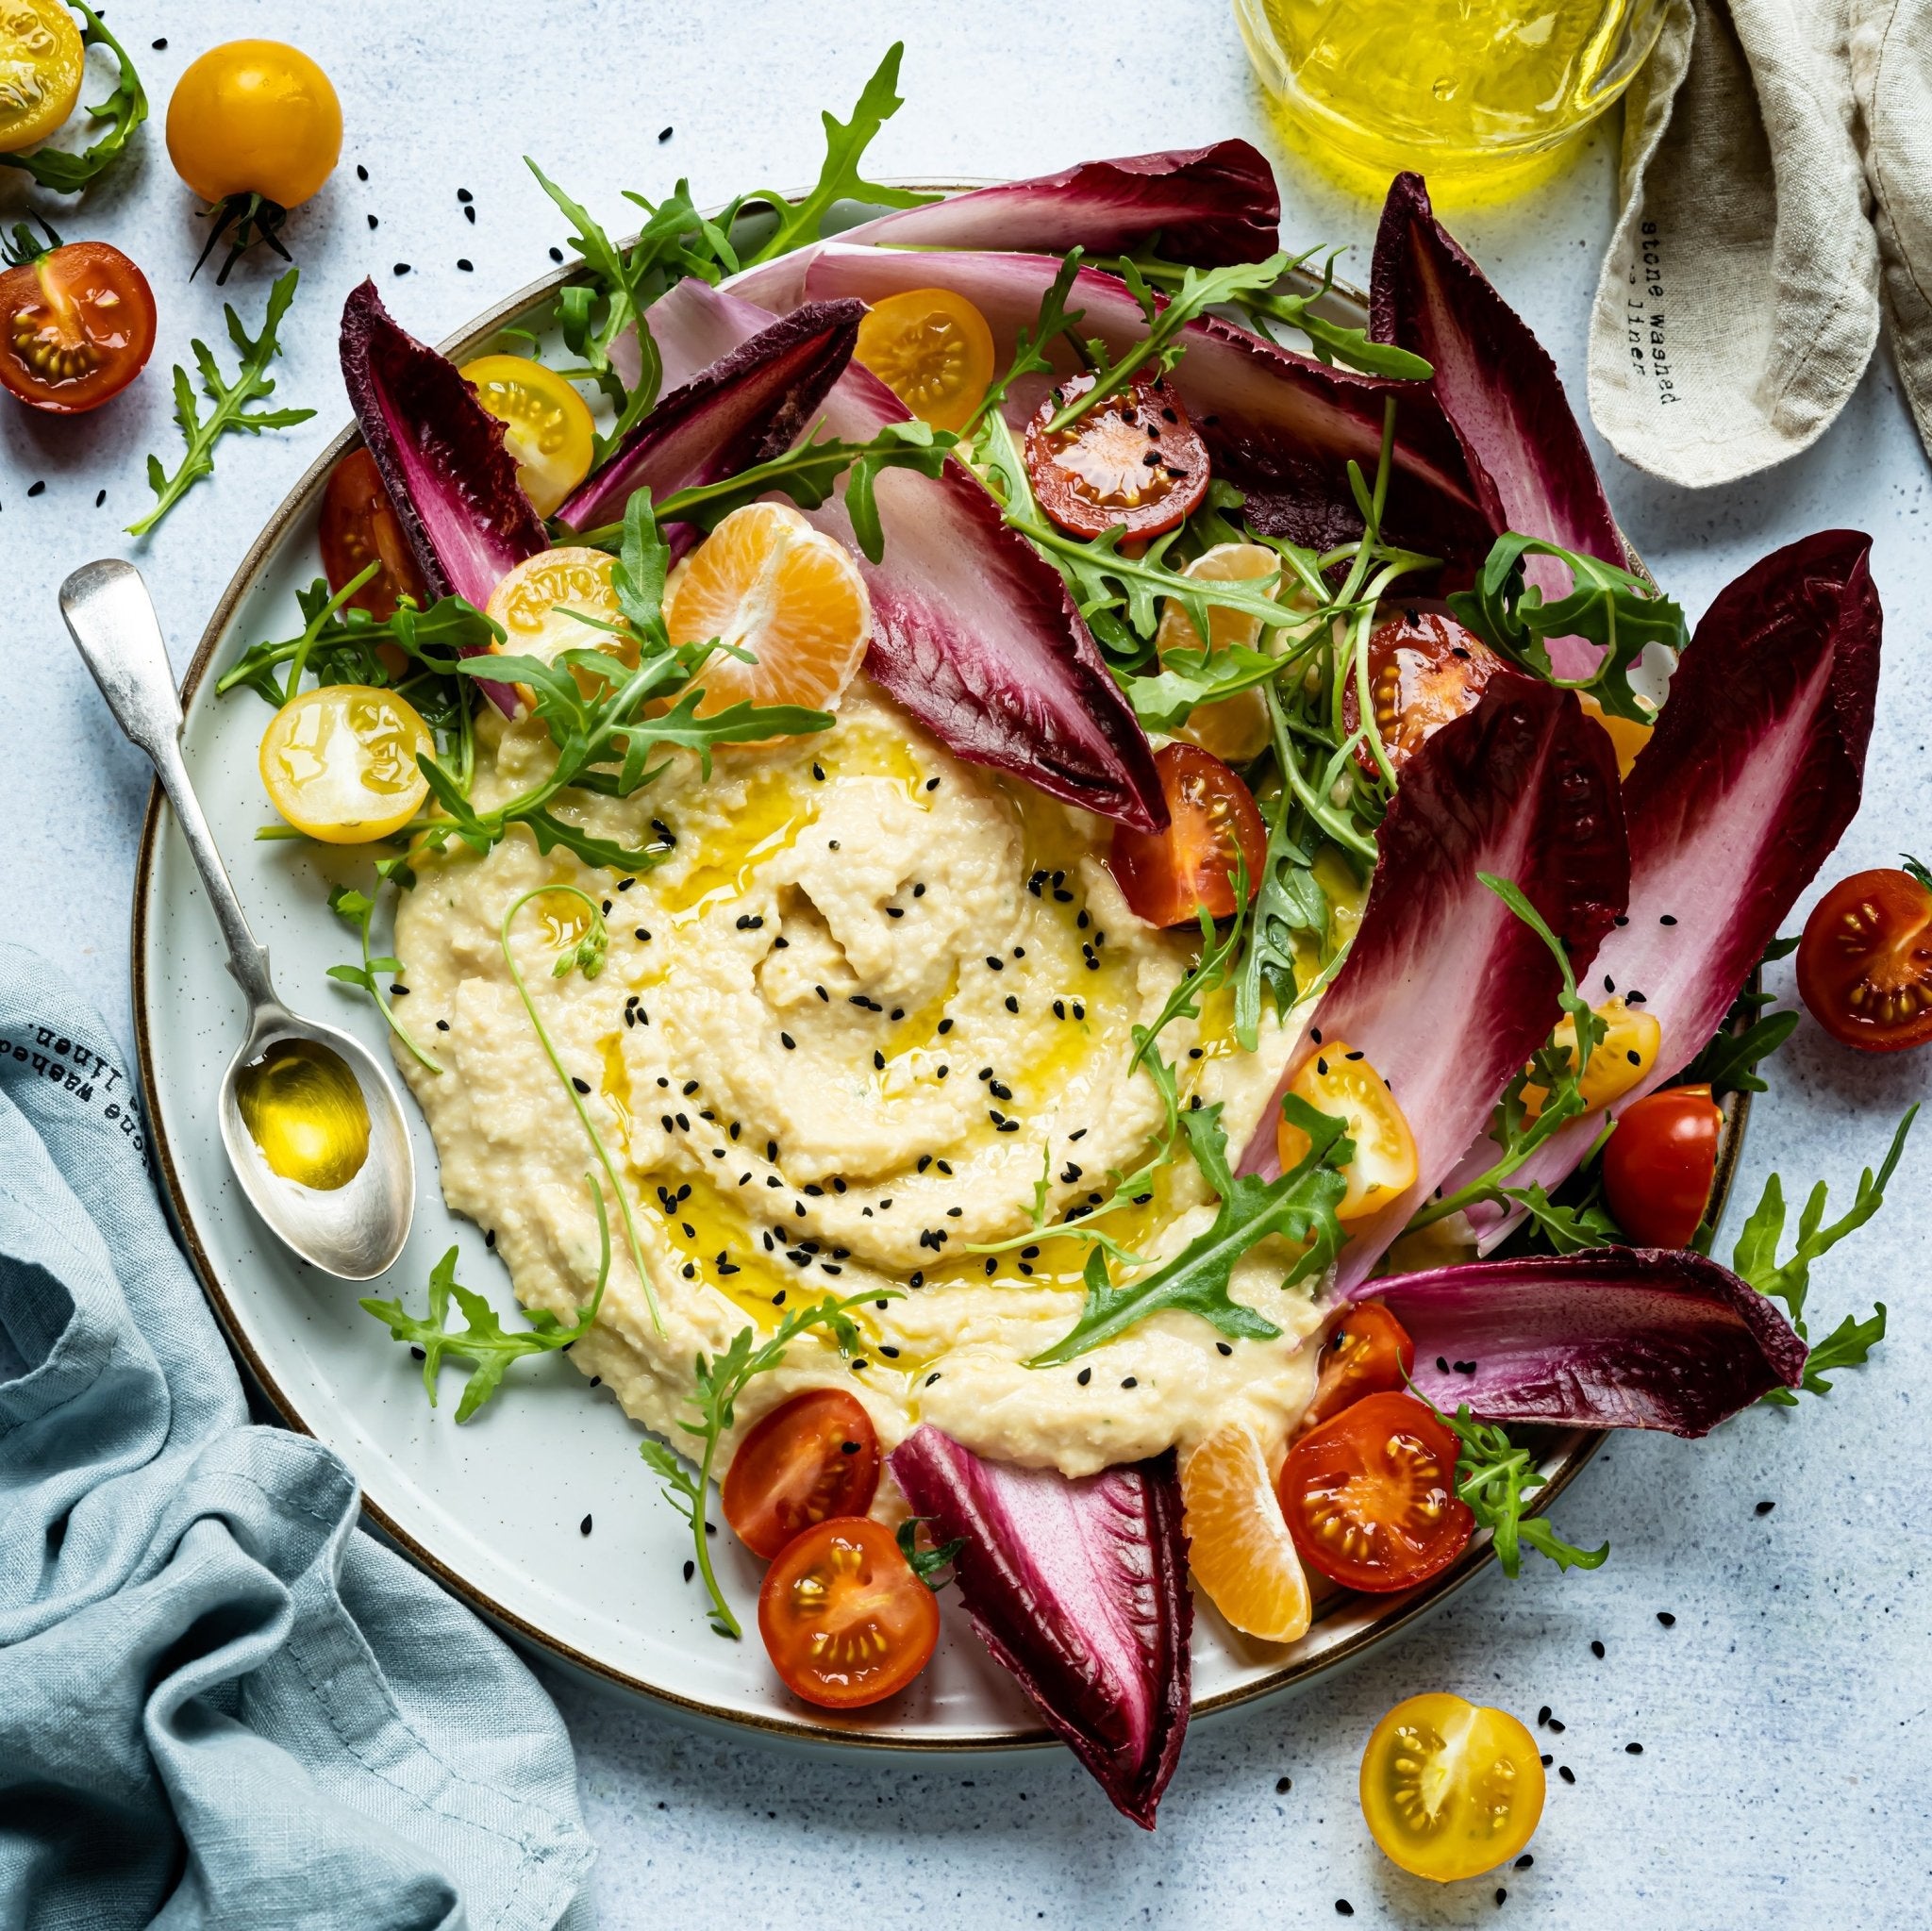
(1495, 1477)
(1729, 1062)
(1190, 677)
(482, 1343)
(1754, 1259)
(1029, 350)
(1565, 1229)
(719, 1383)
(252, 383)
(123, 109)
(1605, 605)
(1300, 1206)
(358, 908)
(926, 1563)
(838, 178)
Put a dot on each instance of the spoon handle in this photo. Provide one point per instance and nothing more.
(112, 619)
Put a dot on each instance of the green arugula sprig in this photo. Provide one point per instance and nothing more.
(1605, 605)
(123, 110)
(230, 413)
(1754, 1259)
(358, 908)
(1299, 1204)
(1556, 1070)
(483, 1343)
(1495, 1478)
(719, 1384)
(926, 1563)
(604, 742)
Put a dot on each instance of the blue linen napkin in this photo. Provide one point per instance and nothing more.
(220, 1702)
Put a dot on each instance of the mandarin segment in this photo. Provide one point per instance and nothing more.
(1242, 1558)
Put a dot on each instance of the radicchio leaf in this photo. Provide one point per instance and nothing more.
(749, 406)
(1445, 991)
(972, 631)
(1079, 1588)
(441, 457)
(1749, 779)
(1613, 1338)
(1209, 205)
(1499, 388)
(1282, 427)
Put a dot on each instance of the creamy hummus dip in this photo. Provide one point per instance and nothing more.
(870, 1004)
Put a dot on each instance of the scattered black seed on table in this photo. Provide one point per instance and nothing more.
(584, 1526)
(373, 223)
(1557, 1724)
(161, 46)
(557, 255)
(470, 216)
(1632, 1750)
(1596, 1649)
(664, 134)
(419, 1354)
(1763, 1508)
(1344, 1908)
(1283, 1785)
(1502, 1896)
(361, 173)
(1665, 1617)
(402, 268)
(100, 497)
(467, 266)
(1543, 1716)
(1544, 1760)
(1564, 1772)
(464, 195)
(1524, 1862)
(690, 1569)
(37, 489)
(490, 1238)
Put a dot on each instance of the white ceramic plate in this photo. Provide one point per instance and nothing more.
(493, 1508)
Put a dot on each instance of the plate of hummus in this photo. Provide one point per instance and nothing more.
(1030, 869)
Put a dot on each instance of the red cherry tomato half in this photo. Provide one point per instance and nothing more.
(1424, 671)
(1370, 1497)
(812, 1458)
(1133, 460)
(1367, 1353)
(845, 1621)
(1865, 961)
(360, 526)
(77, 326)
(1659, 1163)
(1168, 877)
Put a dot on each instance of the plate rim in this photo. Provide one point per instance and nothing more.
(1573, 1448)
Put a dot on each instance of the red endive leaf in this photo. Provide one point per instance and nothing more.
(1209, 205)
(972, 631)
(441, 457)
(1445, 991)
(1079, 1588)
(1614, 1338)
(1495, 383)
(1749, 780)
(749, 406)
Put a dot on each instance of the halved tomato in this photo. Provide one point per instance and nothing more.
(360, 526)
(548, 428)
(77, 326)
(1424, 671)
(1133, 461)
(1370, 1499)
(1865, 961)
(1367, 1353)
(845, 1621)
(1169, 877)
(932, 348)
(1659, 1164)
(1340, 1081)
(812, 1458)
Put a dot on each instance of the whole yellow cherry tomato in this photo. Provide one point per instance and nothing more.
(255, 117)
(40, 60)
(1449, 1788)
(339, 763)
(551, 433)
(932, 349)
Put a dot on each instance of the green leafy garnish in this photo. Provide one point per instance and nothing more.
(1605, 605)
(1565, 1229)
(1754, 1259)
(720, 1383)
(358, 908)
(1300, 1206)
(1495, 1477)
(231, 413)
(1729, 1062)
(926, 1563)
(483, 1342)
(123, 110)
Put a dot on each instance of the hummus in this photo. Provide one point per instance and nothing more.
(872, 1011)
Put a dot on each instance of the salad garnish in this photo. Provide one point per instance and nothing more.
(358, 910)
(123, 110)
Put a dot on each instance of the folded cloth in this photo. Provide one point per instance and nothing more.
(220, 1702)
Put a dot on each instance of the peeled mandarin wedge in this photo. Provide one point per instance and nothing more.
(766, 582)
(1238, 1544)
(1235, 728)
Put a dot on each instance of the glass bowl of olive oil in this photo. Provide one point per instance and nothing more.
(1485, 97)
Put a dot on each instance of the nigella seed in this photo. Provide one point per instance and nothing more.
(1665, 1617)
(1558, 1725)
(419, 1355)
(1084, 1375)
(1596, 1649)
(690, 1569)
(442, 1026)
(490, 1238)
(786, 1041)
(1632, 1750)
(1222, 1347)
(664, 134)
(402, 268)
(371, 221)
(361, 173)
(1130, 1382)
(932, 1378)
(878, 1059)
(584, 1526)
(1543, 1716)
(464, 195)
(470, 216)
(557, 255)
(1012, 1003)
(39, 489)
(1564, 1772)
(1667, 919)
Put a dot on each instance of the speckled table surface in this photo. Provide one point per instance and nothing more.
(1786, 1715)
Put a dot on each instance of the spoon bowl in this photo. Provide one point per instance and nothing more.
(354, 1229)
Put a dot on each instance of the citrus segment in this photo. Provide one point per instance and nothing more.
(1238, 1546)
(1235, 728)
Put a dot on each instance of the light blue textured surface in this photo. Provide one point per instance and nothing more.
(1787, 1719)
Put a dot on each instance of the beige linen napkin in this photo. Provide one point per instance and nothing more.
(1772, 150)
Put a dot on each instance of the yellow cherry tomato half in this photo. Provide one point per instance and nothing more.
(1450, 1789)
(339, 763)
(1623, 1057)
(550, 431)
(40, 61)
(255, 117)
(1338, 1080)
(932, 349)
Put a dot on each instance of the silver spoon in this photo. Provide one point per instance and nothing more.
(353, 1226)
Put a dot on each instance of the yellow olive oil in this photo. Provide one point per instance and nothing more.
(304, 1109)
